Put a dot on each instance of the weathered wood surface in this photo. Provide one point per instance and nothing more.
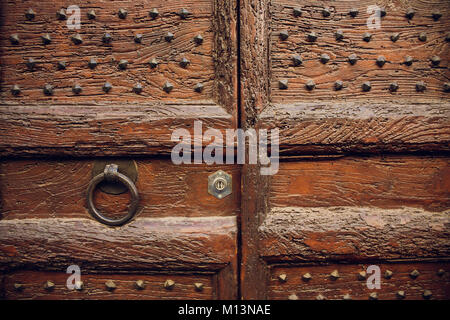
(94, 286)
(348, 283)
(366, 69)
(354, 234)
(340, 128)
(385, 182)
(207, 244)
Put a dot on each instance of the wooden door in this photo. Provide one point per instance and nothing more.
(112, 92)
(364, 169)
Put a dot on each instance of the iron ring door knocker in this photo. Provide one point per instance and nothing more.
(111, 174)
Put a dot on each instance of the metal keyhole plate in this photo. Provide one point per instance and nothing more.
(219, 184)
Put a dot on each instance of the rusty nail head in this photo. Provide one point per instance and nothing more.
(139, 284)
(167, 87)
(61, 14)
(107, 38)
(307, 276)
(282, 277)
(423, 36)
(420, 87)
(339, 35)
(169, 284)
(77, 89)
(310, 85)
(373, 296)
(138, 38)
(446, 89)
(110, 285)
(46, 39)
(30, 14)
(353, 12)
(366, 86)
(338, 85)
(284, 35)
(427, 294)
(293, 297)
(15, 90)
(49, 285)
(324, 58)
(48, 90)
(198, 39)
(320, 297)
(347, 297)
(184, 13)
(198, 87)
(153, 63)
(297, 12)
(122, 13)
(153, 13)
(283, 84)
(169, 36)
(18, 287)
(414, 274)
(435, 60)
(184, 62)
(334, 275)
(137, 88)
(92, 63)
(79, 285)
(123, 64)
(388, 274)
(77, 39)
(436, 15)
(107, 87)
(297, 60)
(381, 60)
(312, 36)
(408, 60)
(198, 286)
(326, 12)
(14, 38)
(395, 37)
(352, 58)
(401, 294)
(91, 15)
(362, 275)
(367, 37)
(410, 13)
(393, 86)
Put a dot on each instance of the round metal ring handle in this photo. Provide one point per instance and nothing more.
(112, 174)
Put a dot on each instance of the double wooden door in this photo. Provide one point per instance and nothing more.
(358, 93)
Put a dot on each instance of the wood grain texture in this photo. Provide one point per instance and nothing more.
(353, 76)
(94, 286)
(201, 244)
(348, 283)
(353, 234)
(385, 182)
(57, 189)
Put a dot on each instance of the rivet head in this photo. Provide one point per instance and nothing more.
(153, 13)
(347, 297)
(414, 274)
(138, 38)
(307, 276)
(110, 285)
(381, 60)
(297, 60)
(107, 38)
(139, 285)
(435, 60)
(122, 13)
(436, 15)
(167, 87)
(441, 272)
(408, 60)
(14, 38)
(61, 65)
(339, 35)
(46, 39)
(362, 275)
(284, 35)
(324, 58)
(107, 87)
(446, 89)
(282, 277)
(423, 36)
(297, 12)
(334, 275)
(77, 89)
(91, 15)
(77, 39)
(410, 13)
(326, 12)
(184, 13)
(320, 297)
(198, 39)
(427, 294)
(137, 88)
(293, 297)
(367, 37)
(420, 87)
(169, 36)
(366, 86)
(18, 287)
(353, 12)
(401, 294)
(388, 274)
(15, 90)
(153, 63)
(198, 286)
(352, 58)
(373, 296)
(92, 63)
(283, 84)
(198, 87)
(310, 85)
(169, 284)
(184, 63)
(123, 64)
(338, 85)
(382, 12)
(48, 90)
(312, 36)
(395, 37)
(79, 285)
(30, 14)
(49, 285)
(31, 64)
(393, 87)
(61, 14)
(447, 37)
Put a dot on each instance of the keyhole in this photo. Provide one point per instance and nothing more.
(220, 184)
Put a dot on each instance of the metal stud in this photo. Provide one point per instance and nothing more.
(447, 37)
(30, 14)
(410, 13)
(395, 37)
(423, 37)
(362, 275)
(169, 36)
(49, 286)
(61, 65)
(310, 85)
(107, 38)
(353, 12)
(401, 294)
(198, 39)
(420, 87)
(382, 12)
(283, 84)
(107, 87)
(139, 285)
(381, 60)
(282, 277)
(347, 297)
(293, 297)
(18, 287)
(198, 286)
(307, 276)
(352, 58)
(61, 14)
(334, 275)
(284, 35)
(48, 90)
(91, 15)
(388, 274)
(46, 39)
(339, 35)
(184, 13)
(123, 64)
(436, 15)
(408, 60)
(198, 87)
(137, 88)
(153, 13)
(366, 86)
(110, 285)
(92, 63)
(393, 87)
(324, 58)
(77, 39)
(446, 89)
(297, 12)
(15, 90)
(169, 284)
(320, 297)
(79, 285)
(435, 60)
(122, 13)
(153, 63)
(414, 274)
(441, 272)
(312, 36)
(297, 60)
(138, 38)
(14, 38)
(184, 62)
(427, 294)
(367, 37)
(326, 12)
(76, 89)
(373, 296)
(338, 85)
(167, 87)
(31, 64)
